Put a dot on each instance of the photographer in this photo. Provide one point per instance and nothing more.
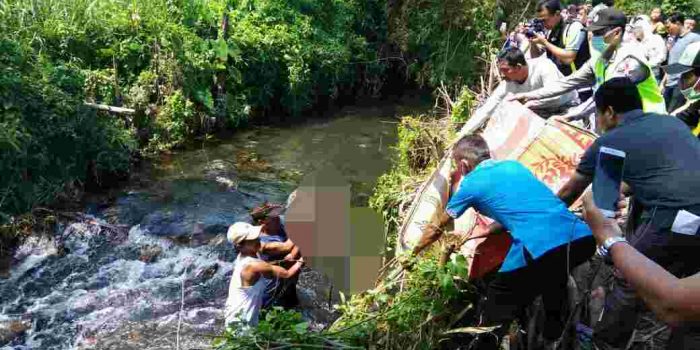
(566, 42)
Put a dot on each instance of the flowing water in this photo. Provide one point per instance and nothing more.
(118, 275)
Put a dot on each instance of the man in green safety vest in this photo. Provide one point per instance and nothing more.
(615, 60)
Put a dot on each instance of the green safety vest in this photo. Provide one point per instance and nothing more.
(652, 99)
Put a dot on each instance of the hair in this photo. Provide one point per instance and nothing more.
(619, 93)
(472, 148)
(513, 56)
(552, 6)
(572, 8)
(609, 3)
(676, 17)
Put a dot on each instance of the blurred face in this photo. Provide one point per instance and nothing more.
(272, 225)
(461, 165)
(550, 19)
(583, 15)
(605, 119)
(690, 86)
(250, 246)
(689, 24)
(673, 28)
(655, 14)
(516, 74)
(688, 80)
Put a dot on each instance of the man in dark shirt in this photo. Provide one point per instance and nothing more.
(662, 170)
(276, 247)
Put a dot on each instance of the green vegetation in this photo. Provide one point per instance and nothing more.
(188, 68)
(636, 7)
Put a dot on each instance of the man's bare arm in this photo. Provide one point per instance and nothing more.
(674, 300)
(277, 248)
(563, 55)
(573, 189)
(271, 271)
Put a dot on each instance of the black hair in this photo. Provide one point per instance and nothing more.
(472, 148)
(552, 6)
(513, 56)
(619, 93)
(676, 17)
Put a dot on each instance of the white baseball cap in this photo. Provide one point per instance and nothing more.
(242, 231)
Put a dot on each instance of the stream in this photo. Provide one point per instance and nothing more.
(118, 276)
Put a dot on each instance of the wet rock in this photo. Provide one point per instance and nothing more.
(11, 330)
(150, 253)
(207, 272)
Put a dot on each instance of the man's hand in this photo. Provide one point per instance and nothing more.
(522, 98)
(290, 257)
(539, 39)
(602, 227)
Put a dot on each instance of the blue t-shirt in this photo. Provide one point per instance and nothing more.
(509, 193)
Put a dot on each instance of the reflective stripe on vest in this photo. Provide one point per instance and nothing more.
(696, 131)
(652, 99)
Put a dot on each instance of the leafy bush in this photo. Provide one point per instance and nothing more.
(444, 38)
(462, 110)
(48, 137)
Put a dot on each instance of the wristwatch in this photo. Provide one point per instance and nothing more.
(604, 249)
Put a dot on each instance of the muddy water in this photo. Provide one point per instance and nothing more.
(129, 274)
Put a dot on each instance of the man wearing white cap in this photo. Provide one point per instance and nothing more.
(248, 281)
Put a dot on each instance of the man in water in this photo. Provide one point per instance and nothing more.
(275, 246)
(250, 273)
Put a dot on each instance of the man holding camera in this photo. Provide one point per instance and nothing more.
(566, 42)
(615, 60)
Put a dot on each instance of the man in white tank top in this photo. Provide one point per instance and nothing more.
(247, 286)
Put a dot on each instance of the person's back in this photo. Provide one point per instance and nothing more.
(662, 164)
(509, 193)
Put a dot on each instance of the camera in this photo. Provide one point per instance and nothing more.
(535, 26)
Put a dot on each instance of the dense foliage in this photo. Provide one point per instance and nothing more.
(443, 40)
(188, 67)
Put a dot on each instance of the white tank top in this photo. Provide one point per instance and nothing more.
(243, 303)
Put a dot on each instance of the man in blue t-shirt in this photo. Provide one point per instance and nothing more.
(276, 247)
(540, 224)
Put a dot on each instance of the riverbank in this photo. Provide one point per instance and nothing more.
(117, 270)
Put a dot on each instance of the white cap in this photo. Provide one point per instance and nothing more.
(242, 231)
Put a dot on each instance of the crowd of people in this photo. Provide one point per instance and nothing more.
(573, 39)
(635, 81)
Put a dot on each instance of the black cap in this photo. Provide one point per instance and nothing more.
(606, 18)
(690, 59)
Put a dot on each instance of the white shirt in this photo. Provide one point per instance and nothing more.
(244, 303)
(541, 71)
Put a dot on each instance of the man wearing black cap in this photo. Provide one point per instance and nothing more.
(688, 68)
(609, 59)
